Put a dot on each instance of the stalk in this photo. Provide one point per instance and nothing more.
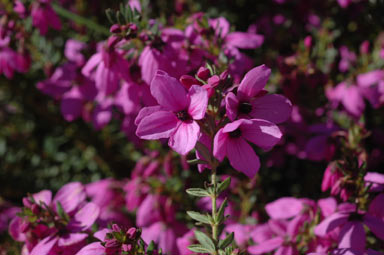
(80, 20)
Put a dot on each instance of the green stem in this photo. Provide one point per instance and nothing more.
(214, 226)
(80, 20)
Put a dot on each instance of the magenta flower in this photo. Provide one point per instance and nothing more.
(231, 141)
(43, 16)
(176, 115)
(252, 102)
(351, 224)
(349, 95)
(280, 237)
(107, 68)
(56, 228)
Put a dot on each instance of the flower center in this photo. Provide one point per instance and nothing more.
(183, 115)
(235, 134)
(245, 107)
(355, 217)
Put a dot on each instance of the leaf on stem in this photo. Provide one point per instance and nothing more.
(227, 241)
(199, 217)
(198, 192)
(205, 241)
(220, 213)
(223, 185)
(198, 248)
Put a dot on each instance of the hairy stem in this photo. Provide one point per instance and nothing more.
(80, 20)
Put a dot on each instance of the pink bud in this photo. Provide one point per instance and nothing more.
(35, 209)
(203, 73)
(188, 81)
(131, 233)
(116, 228)
(364, 47)
(308, 42)
(115, 28)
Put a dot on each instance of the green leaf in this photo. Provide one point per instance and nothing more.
(196, 161)
(223, 185)
(198, 192)
(227, 241)
(220, 213)
(61, 212)
(151, 247)
(204, 151)
(205, 241)
(198, 248)
(199, 217)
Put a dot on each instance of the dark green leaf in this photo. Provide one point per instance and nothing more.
(205, 241)
(220, 213)
(199, 217)
(223, 185)
(198, 248)
(198, 192)
(227, 241)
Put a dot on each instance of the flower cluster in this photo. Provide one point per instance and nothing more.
(193, 99)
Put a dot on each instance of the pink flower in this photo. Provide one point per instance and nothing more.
(252, 102)
(107, 68)
(351, 223)
(43, 16)
(56, 228)
(176, 115)
(349, 95)
(281, 237)
(284, 208)
(231, 141)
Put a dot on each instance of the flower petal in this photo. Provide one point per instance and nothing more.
(92, 249)
(284, 208)
(85, 217)
(242, 156)
(253, 82)
(330, 223)
(220, 145)
(185, 137)
(44, 196)
(91, 64)
(44, 246)
(146, 111)
(352, 235)
(266, 246)
(376, 208)
(198, 102)
(158, 125)
(231, 106)
(244, 40)
(274, 108)
(263, 133)
(169, 92)
(376, 225)
(70, 196)
(71, 239)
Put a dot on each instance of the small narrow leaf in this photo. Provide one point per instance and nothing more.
(198, 248)
(199, 217)
(220, 213)
(205, 241)
(198, 192)
(223, 185)
(227, 241)
(196, 161)
(204, 151)
(61, 212)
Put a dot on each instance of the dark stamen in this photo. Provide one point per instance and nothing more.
(245, 108)
(235, 134)
(183, 115)
(355, 217)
